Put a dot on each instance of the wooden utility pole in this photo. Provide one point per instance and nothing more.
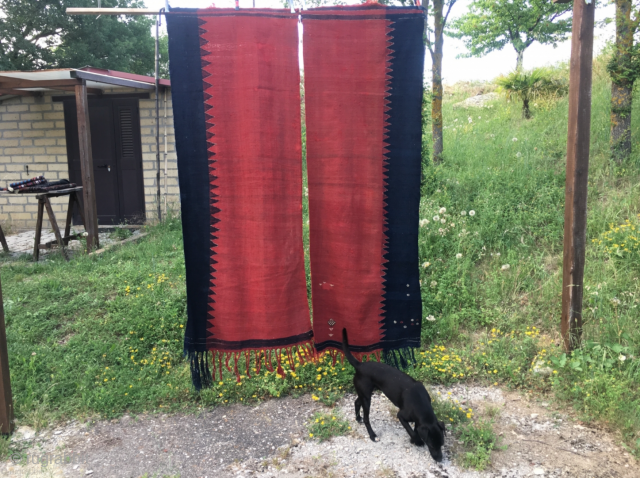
(575, 209)
(86, 166)
(6, 399)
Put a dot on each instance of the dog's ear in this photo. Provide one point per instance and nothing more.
(442, 427)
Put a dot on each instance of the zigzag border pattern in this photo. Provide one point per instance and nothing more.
(213, 197)
(385, 167)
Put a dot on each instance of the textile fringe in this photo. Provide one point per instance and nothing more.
(203, 377)
(400, 358)
(200, 374)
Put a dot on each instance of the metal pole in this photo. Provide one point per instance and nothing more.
(157, 78)
(575, 212)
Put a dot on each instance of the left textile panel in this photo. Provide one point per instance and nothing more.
(236, 99)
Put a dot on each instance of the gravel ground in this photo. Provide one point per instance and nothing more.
(271, 440)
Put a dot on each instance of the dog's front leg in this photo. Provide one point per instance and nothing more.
(415, 438)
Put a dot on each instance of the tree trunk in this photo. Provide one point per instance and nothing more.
(436, 81)
(526, 112)
(622, 84)
(520, 59)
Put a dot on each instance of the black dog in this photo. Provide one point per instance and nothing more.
(407, 394)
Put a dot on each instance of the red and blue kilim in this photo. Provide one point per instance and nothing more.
(363, 71)
(236, 98)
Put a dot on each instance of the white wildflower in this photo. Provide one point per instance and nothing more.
(463, 213)
(453, 224)
(426, 264)
(518, 154)
(424, 222)
(470, 119)
(433, 284)
(514, 139)
(497, 254)
(506, 267)
(479, 117)
(430, 318)
(622, 358)
(458, 256)
(436, 218)
(455, 120)
(472, 213)
(615, 301)
(442, 210)
(443, 220)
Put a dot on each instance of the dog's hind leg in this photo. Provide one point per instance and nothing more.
(358, 405)
(366, 406)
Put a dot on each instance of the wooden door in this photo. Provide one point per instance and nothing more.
(117, 157)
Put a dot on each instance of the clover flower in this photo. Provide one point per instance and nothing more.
(458, 256)
(463, 213)
(472, 213)
(426, 264)
(424, 222)
(514, 139)
(433, 283)
(505, 267)
(442, 210)
(436, 218)
(430, 318)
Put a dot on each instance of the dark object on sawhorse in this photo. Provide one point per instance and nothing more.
(43, 202)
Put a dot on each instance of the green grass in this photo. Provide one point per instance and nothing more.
(325, 425)
(102, 335)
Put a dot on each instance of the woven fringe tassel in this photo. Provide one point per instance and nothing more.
(200, 374)
(203, 377)
(400, 358)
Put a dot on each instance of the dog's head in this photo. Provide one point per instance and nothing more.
(433, 436)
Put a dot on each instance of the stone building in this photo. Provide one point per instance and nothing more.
(39, 136)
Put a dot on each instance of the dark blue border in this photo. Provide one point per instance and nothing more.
(402, 304)
(193, 170)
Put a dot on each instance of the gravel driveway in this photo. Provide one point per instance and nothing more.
(271, 440)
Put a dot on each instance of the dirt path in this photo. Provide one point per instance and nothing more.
(271, 440)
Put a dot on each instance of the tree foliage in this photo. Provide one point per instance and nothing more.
(490, 25)
(38, 34)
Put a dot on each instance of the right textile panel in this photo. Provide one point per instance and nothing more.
(363, 69)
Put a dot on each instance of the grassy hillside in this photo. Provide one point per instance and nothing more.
(102, 335)
(510, 171)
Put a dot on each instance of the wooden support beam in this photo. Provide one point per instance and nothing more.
(9, 91)
(86, 166)
(6, 399)
(8, 82)
(577, 171)
(111, 80)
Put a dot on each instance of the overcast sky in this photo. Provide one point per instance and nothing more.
(454, 69)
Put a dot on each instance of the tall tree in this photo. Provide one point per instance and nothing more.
(434, 38)
(492, 24)
(624, 69)
(38, 34)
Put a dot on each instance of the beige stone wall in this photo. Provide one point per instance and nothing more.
(32, 136)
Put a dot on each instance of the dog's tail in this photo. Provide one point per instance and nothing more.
(345, 348)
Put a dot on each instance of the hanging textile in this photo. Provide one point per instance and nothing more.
(363, 70)
(236, 99)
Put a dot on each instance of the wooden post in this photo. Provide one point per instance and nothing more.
(86, 165)
(6, 399)
(575, 212)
